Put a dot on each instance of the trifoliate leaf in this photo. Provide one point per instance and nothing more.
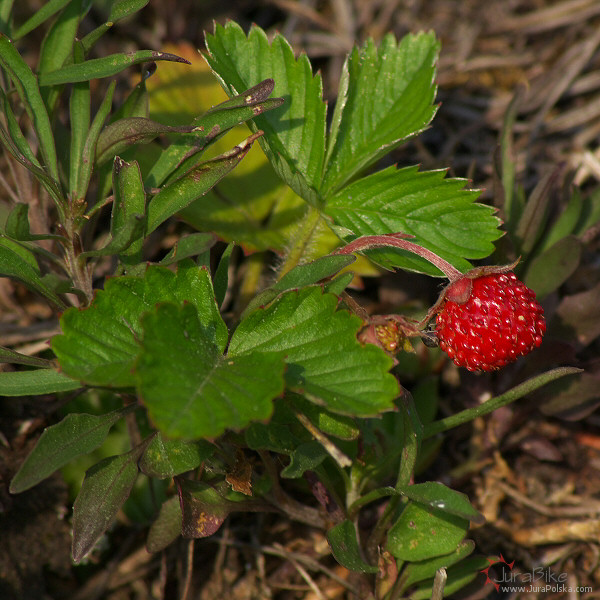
(386, 95)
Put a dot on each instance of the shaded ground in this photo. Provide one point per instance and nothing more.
(535, 477)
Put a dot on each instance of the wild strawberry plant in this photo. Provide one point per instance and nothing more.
(242, 410)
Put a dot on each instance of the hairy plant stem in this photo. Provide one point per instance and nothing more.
(398, 240)
(300, 242)
(77, 270)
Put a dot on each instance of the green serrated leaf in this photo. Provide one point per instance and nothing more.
(167, 526)
(190, 389)
(422, 532)
(386, 95)
(34, 383)
(325, 361)
(104, 490)
(166, 458)
(194, 184)
(295, 134)
(437, 495)
(59, 444)
(99, 344)
(441, 215)
(106, 66)
(345, 549)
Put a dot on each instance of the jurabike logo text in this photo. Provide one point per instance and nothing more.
(538, 579)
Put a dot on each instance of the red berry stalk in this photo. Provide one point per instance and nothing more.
(485, 318)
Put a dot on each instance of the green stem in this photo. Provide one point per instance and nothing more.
(380, 529)
(301, 241)
(369, 497)
(492, 404)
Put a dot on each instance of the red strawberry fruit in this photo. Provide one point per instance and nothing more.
(485, 322)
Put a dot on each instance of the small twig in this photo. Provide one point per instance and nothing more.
(439, 582)
(309, 580)
(281, 552)
(340, 458)
(549, 511)
(398, 240)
